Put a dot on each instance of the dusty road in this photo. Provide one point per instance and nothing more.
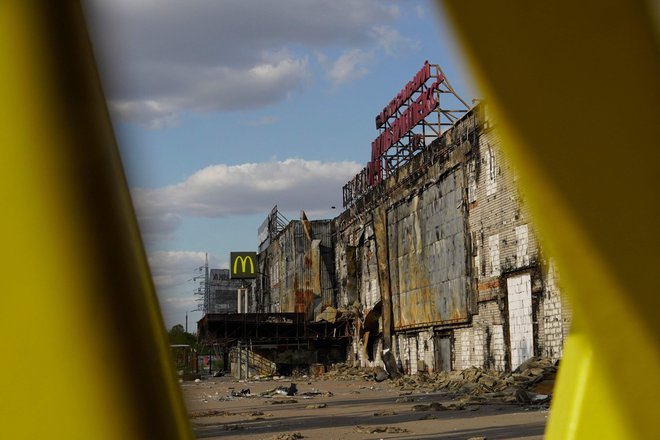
(350, 410)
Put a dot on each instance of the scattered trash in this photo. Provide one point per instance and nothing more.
(198, 380)
(242, 393)
(317, 405)
(291, 390)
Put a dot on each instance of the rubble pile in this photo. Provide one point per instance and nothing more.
(345, 372)
(531, 383)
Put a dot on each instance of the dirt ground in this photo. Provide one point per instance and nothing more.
(356, 409)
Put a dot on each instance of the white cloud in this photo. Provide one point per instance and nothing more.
(172, 272)
(353, 64)
(218, 88)
(391, 40)
(161, 58)
(160, 227)
(350, 66)
(250, 188)
(174, 268)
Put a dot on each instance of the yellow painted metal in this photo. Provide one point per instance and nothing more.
(85, 353)
(575, 89)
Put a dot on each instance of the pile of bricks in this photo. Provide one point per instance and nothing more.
(531, 383)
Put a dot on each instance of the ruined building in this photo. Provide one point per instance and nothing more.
(434, 264)
(467, 281)
(438, 265)
(222, 292)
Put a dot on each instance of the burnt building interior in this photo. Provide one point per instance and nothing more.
(433, 265)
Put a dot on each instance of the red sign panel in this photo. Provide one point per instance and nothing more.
(406, 111)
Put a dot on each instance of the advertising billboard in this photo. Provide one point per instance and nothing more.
(243, 265)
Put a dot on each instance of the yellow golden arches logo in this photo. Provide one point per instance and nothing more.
(242, 264)
(244, 261)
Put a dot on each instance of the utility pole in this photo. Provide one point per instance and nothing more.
(204, 288)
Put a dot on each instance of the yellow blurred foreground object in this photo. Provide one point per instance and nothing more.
(575, 87)
(85, 355)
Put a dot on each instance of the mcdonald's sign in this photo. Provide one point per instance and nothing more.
(243, 265)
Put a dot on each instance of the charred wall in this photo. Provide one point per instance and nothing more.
(469, 284)
(297, 269)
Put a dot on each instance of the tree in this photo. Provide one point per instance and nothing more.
(178, 335)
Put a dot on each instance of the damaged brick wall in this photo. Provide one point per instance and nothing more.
(470, 286)
(508, 267)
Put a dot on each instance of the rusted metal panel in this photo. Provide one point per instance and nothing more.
(380, 235)
(300, 270)
(427, 262)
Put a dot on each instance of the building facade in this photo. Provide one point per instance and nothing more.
(223, 297)
(439, 264)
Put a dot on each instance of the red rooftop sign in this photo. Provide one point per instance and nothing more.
(397, 142)
(408, 108)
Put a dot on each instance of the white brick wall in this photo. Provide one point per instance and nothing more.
(472, 181)
(494, 254)
(497, 347)
(491, 172)
(464, 337)
(412, 354)
(553, 317)
(470, 344)
(522, 241)
(519, 297)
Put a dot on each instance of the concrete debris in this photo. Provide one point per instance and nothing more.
(530, 384)
(330, 314)
(380, 374)
(281, 401)
(440, 406)
(344, 372)
(315, 393)
(232, 427)
(208, 413)
(384, 413)
(375, 429)
(317, 406)
(284, 436)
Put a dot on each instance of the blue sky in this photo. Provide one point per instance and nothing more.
(223, 109)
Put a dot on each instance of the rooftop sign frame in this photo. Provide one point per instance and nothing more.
(407, 124)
